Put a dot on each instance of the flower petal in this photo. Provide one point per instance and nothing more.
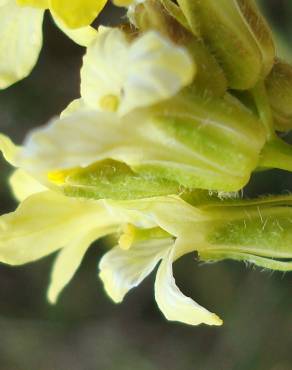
(43, 223)
(104, 67)
(36, 3)
(76, 13)
(75, 106)
(69, 259)
(83, 36)
(141, 73)
(8, 149)
(171, 301)
(20, 41)
(75, 140)
(158, 70)
(122, 270)
(23, 185)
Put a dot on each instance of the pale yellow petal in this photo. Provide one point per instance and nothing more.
(105, 66)
(172, 214)
(43, 223)
(157, 70)
(76, 13)
(75, 140)
(173, 303)
(70, 257)
(122, 270)
(75, 106)
(8, 149)
(20, 41)
(23, 185)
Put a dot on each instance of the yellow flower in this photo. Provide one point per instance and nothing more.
(73, 13)
(161, 230)
(21, 31)
(47, 221)
(121, 75)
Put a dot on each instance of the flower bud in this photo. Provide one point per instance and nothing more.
(168, 19)
(238, 35)
(279, 89)
(210, 78)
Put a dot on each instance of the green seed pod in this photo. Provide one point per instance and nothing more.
(238, 35)
(279, 89)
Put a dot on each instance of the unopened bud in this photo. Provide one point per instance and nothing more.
(238, 35)
(279, 89)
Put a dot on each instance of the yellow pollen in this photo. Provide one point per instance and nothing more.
(109, 103)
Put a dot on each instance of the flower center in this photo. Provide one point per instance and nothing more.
(109, 103)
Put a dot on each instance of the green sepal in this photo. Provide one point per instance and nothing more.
(111, 179)
(210, 78)
(267, 263)
(190, 11)
(256, 231)
(279, 89)
(218, 142)
(175, 12)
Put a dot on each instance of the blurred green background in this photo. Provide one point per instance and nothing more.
(85, 330)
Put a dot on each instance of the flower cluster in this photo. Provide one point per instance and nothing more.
(177, 109)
